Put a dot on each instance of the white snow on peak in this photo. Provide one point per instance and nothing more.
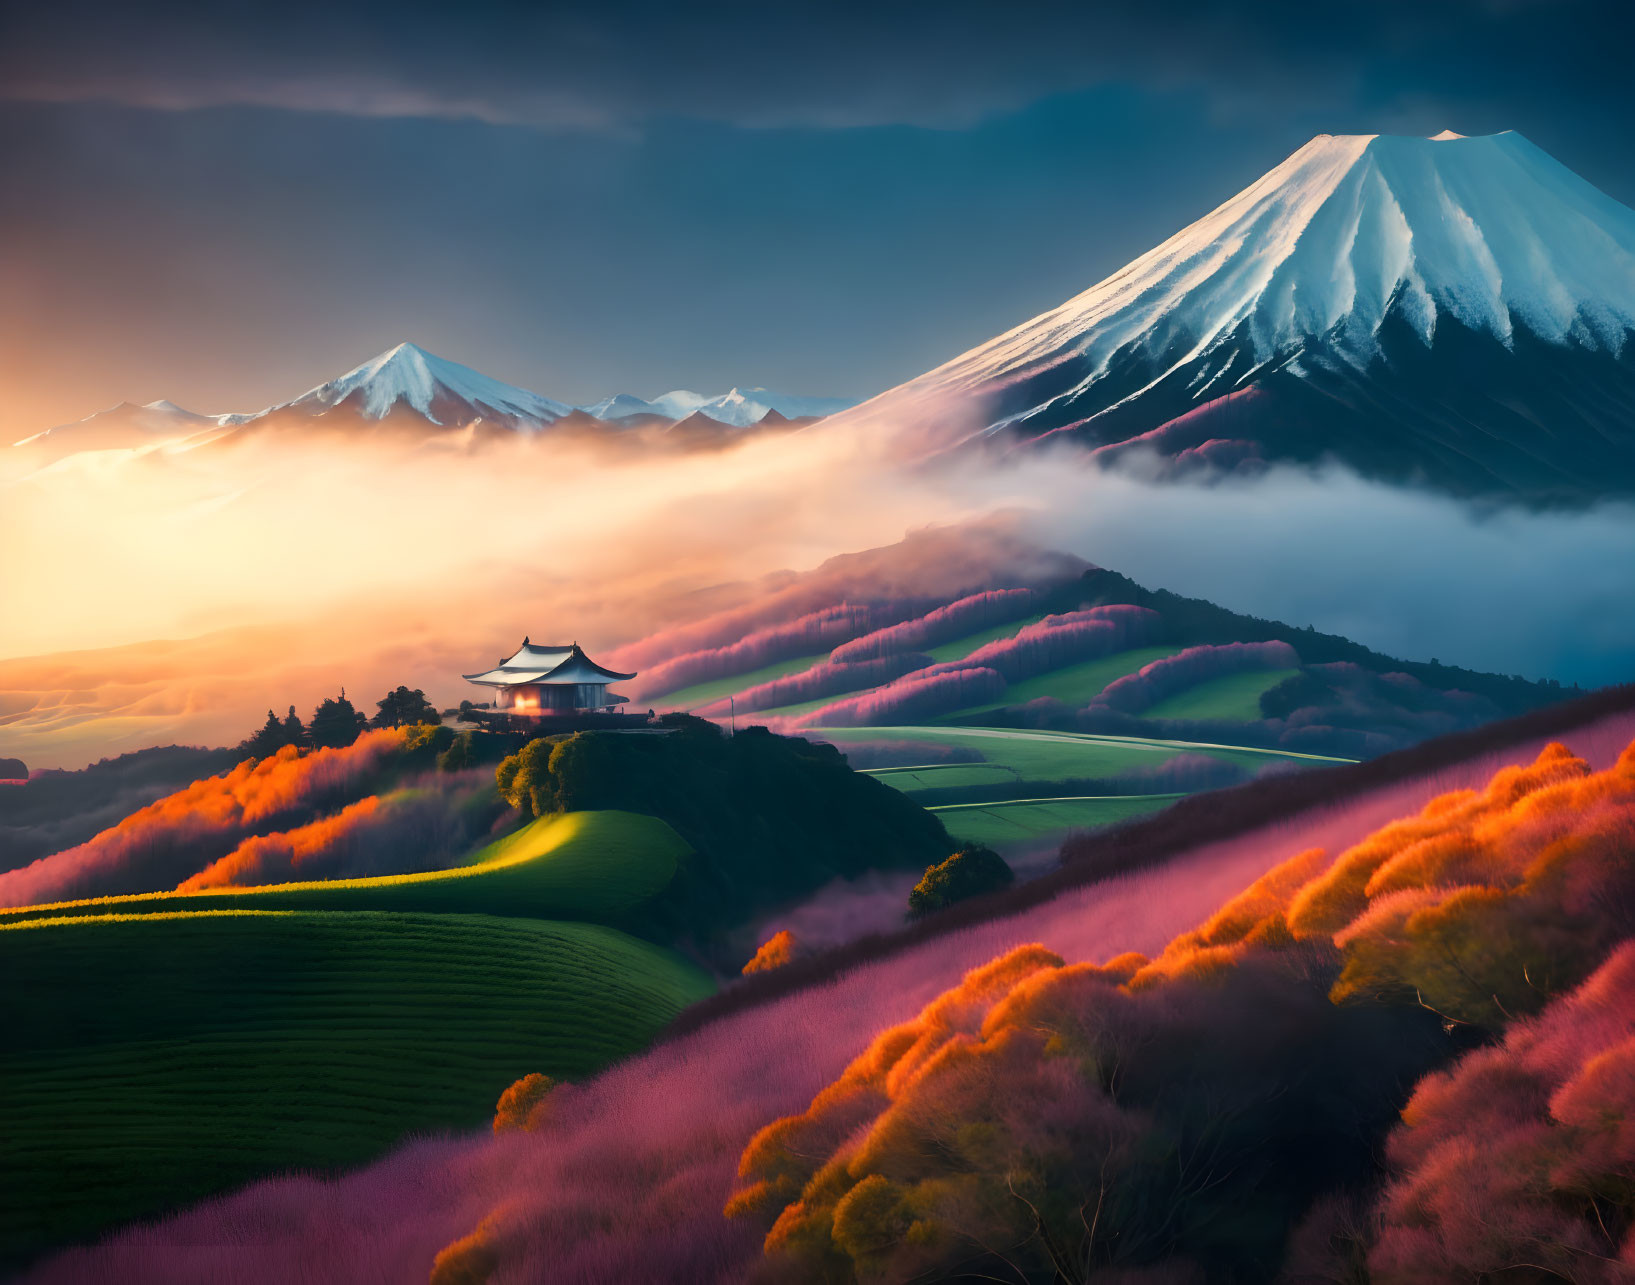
(425, 382)
(1489, 230)
(621, 406)
(1446, 136)
(679, 403)
(739, 408)
(164, 407)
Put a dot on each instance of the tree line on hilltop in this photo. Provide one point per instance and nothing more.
(336, 722)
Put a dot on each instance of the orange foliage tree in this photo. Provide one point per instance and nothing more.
(776, 951)
(1046, 1121)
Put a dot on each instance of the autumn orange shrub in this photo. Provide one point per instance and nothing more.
(471, 1260)
(172, 839)
(1041, 1121)
(525, 1106)
(776, 951)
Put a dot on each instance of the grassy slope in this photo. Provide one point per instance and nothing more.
(151, 1060)
(585, 865)
(1038, 821)
(1043, 757)
(956, 650)
(688, 698)
(1072, 684)
(700, 694)
(960, 648)
(1037, 756)
(1233, 698)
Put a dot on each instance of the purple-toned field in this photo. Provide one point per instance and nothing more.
(628, 1180)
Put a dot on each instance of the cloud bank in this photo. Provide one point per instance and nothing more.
(215, 582)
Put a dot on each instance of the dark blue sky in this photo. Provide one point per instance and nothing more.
(586, 199)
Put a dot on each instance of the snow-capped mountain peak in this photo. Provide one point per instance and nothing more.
(1489, 230)
(408, 384)
(1357, 258)
(442, 391)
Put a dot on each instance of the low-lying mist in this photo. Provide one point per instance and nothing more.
(176, 595)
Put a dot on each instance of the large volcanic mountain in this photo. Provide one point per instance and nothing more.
(1457, 311)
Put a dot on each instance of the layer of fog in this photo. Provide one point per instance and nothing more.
(1546, 594)
(293, 566)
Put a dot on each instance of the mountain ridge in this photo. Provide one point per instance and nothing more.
(1323, 284)
(409, 382)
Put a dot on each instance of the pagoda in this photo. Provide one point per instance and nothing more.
(550, 680)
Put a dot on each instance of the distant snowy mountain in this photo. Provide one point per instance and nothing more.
(409, 387)
(120, 427)
(623, 406)
(408, 378)
(1456, 310)
(745, 406)
(740, 408)
(680, 403)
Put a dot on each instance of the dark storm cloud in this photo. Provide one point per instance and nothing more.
(612, 66)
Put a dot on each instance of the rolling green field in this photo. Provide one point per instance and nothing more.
(585, 865)
(1040, 756)
(154, 1059)
(1041, 821)
(1234, 698)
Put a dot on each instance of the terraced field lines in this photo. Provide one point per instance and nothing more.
(153, 1059)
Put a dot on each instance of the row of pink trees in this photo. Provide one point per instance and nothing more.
(981, 677)
(1170, 674)
(814, 632)
(916, 697)
(1066, 639)
(826, 679)
(945, 624)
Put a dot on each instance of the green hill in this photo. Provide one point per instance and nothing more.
(1049, 775)
(1028, 822)
(1232, 698)
(597, 866)
(154, 1059)
(1040, 755)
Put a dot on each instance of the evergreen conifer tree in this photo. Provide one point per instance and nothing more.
(335, 723)
(294, 733)
(268, 741)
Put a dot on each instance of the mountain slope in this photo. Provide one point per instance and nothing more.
(119, 427)
(1451, 309)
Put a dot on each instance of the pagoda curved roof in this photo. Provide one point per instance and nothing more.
(532, 665)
